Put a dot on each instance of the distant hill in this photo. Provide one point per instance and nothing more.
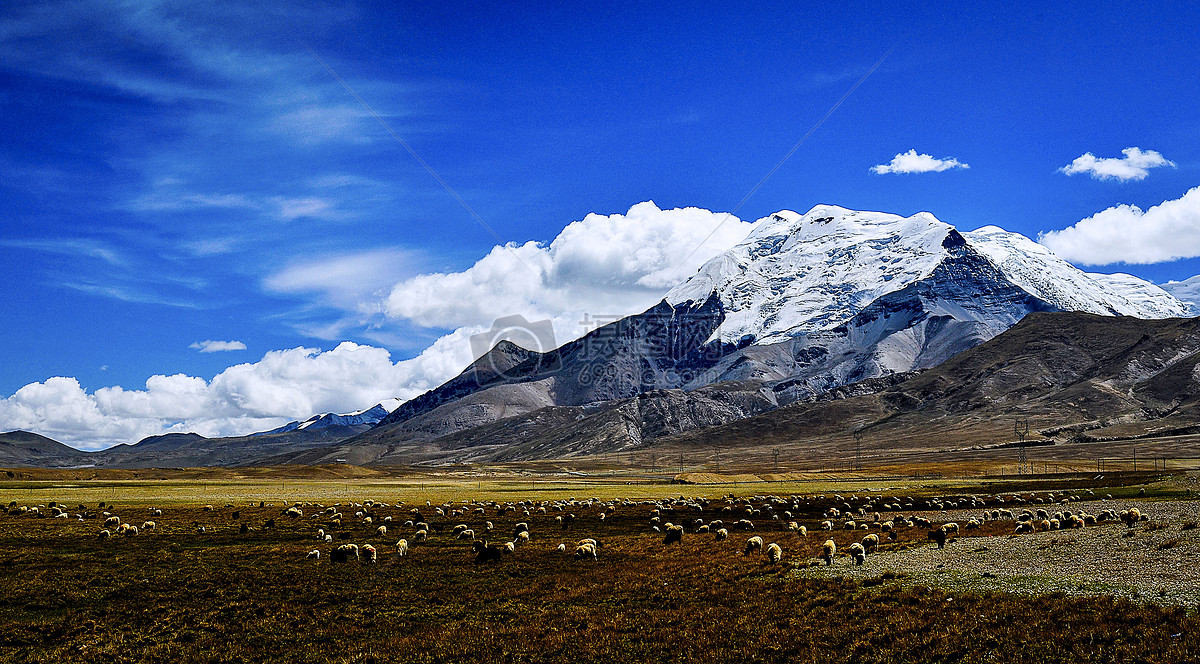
(22, 448)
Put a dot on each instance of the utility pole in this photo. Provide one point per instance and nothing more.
(1022, 429)
(775, 453)
(858, 436)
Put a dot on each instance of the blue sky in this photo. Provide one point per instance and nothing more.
(178, 173)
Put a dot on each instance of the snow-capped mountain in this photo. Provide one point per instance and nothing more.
(804, 305)
(797, 274)
(1187, 292)
(368, 416)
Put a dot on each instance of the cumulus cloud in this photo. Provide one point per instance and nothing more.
(911, 162)
(603, 264)
(596, 270)
(1135, 165)
(284, 385)
(1127, 234)
(210, 346)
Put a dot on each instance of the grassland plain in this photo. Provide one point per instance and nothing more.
(199, 589)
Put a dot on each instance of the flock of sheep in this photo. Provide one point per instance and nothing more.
(877, 518)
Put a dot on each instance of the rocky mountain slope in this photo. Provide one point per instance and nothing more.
(806, 303)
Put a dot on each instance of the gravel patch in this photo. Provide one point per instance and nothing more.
(1160, 565)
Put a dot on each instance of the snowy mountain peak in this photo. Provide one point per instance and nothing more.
(368, 416)
(797, 274)
(802, 273)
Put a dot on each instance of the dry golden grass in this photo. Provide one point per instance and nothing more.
(180, 595)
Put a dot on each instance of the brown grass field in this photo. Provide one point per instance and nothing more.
(176, 594)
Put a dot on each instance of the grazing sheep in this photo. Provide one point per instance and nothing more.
(870, 543)
(523, 537)
(381, 531)
(315, 554)
(562, 548)
(369, 553)
(722, 534)
(467, 534)
(485, 552)
(774, 553)
(401, 547)
(826, 525)
(420, 535)
(584, 551)
(343, 553)
(104, 534)
(827, 551)
(1023, 527)
(112, 521)
(753, 544)
(857, 552)
(849, 525)
(802, 531)
(521, 527)
(149, 525)
(674, 534)
(1129, 517)
(938, 535)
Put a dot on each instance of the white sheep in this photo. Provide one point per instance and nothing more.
(401, 547)
(753, 544)
(827, 551)
(774, 553)
(870, 543)
(149, 525)
(421, 535)
(315, 554)
(584, 551)
(369, 553)
(343, 553)
(381, 531)
(467, 534)
(857, 552)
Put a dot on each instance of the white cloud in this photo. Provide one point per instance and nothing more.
(284, 385)
(911, 162)
(1134, 165)
(1127, 234)
(596, 270)
(603, 265)
(210, 346)
(351, 282)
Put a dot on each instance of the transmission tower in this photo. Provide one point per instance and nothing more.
(1021, 428)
